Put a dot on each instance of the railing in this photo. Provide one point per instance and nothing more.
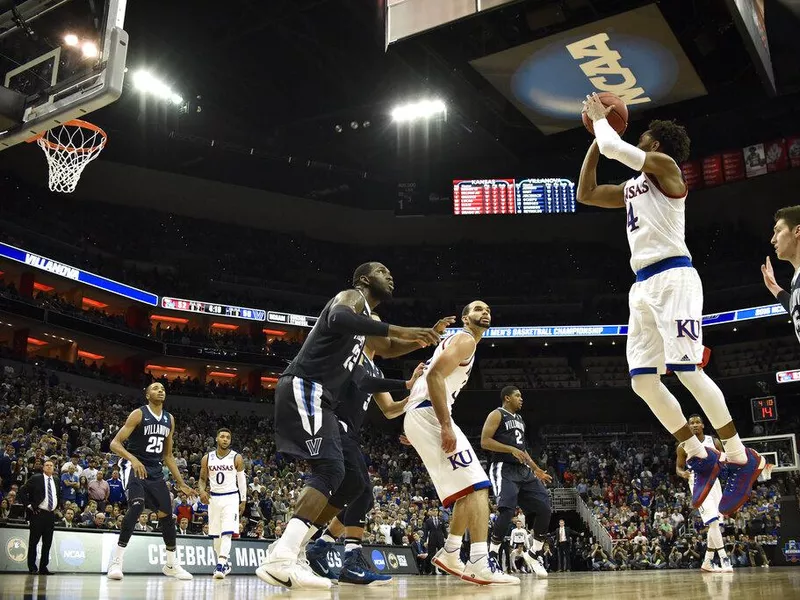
(568, 499)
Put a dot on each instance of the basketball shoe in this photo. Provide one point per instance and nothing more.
(176, 571)
(740, 482)
(356, 571)
(486, 571)
(317, 556)
(289, 571)
(706, 471)
(449, 562)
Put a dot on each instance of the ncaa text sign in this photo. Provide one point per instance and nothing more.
(633, 55)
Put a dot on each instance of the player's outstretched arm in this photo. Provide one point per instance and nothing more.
(394, 347)
(680, 464)
(169, 460)
(116, 446)
(461, 348)
(771, 284)
(201, 484)
(591, 194)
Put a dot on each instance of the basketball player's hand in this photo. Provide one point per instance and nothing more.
(416, 375)
(204, 497)
(520, 455)
(769, 277)
(138, 468)
(448, 439)
(543, 476)
(443, 324)
(404, 440)
(423, 335)
(594, 108)
(186, 489)
(241, 508)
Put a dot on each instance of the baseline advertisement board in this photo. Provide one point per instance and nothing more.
(76, 551)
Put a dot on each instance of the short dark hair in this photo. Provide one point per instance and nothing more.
(790, 214)
(223, 430)
(672, 138)
(693, 416)
(466, 309)
(362, 270)
(508, 391)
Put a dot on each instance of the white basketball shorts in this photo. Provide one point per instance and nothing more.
(709, 510)
(665, 325)
(223, 515)
(454, 475)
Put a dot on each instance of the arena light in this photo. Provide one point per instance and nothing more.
(42, 287)
(71, 40)
(165, 369)
(424, 109)
(90, 355)
(167, 319)
(89, 50)
(147, 83)
(228, 326)
(275, 332)
(93, 303)
(222, 374)
(36, 342)
(270, 379)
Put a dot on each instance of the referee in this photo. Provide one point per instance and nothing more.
(42, 495)
(786, 241)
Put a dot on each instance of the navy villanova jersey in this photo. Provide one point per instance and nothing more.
(327, 357)
(510, 432)
(148, 440)
(354, 403)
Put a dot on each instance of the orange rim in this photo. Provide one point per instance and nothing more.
(72, 123)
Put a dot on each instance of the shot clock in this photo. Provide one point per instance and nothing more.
(764, 409)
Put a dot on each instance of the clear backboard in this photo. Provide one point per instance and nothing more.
(778, 450)
(59, 60)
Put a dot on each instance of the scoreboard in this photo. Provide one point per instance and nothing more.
(764, 409)
(513, 197)
(212, 308)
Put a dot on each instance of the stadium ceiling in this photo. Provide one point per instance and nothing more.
(276, 78)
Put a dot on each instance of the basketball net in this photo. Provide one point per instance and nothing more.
(68, 149)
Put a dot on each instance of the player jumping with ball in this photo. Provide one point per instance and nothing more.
(666, 301)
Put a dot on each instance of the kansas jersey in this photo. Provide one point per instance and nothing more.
(656, 222)
(354, 403)
(222, 473)
(327, 357)
(794, 304)
(148, 440)
(510, 432)
(453, 382)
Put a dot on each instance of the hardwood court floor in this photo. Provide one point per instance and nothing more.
(751, 584)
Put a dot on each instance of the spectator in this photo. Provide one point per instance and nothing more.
(99, 491)
(116, 492)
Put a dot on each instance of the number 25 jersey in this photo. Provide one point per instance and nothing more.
(655, 222)
(148, 440)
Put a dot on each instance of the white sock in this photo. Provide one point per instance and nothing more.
(120, 552)
(171, 561)
(660, 400)
(709, 556)
(327, 538)
(350, 546)
(735, 450)
(312, 529)
(722, 554)
(537, 545)
(216, 543)
(477, 551)
(494, 547)
(453, 543)
(292, 538)
(224, 549)
(694, 447)
(708, 396)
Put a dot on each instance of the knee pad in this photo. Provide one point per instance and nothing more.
(352, 487)
(356, 513)
(168, 531)
(504, 516)
(326, 476)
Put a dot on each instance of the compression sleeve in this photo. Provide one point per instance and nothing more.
(783, 298)
(374, 385)
(241, 483)
(342, 319)
(614, 147)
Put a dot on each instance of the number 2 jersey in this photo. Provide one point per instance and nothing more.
(454, 382)
(511, 432)
(148, 440)
(328, 357)
(656, 222)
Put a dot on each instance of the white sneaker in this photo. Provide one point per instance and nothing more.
(710, 567)
(485, 572)
(449, 562)
(176, 571)
(115, 569)
(727, 567)
(288, 572)
(220, 571)
(538, 567)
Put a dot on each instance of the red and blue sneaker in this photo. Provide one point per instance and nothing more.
(740, 482)
(706, 471)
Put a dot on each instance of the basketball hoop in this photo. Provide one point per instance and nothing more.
(68, 149)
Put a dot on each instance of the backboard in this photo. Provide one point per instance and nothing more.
(59, 60)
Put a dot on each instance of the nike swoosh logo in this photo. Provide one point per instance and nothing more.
(323, 569)
(281, 581)
(362, 575)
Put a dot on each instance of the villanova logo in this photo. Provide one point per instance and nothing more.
(461, 459)
(688, 328)
(553, 80)
(314, 446)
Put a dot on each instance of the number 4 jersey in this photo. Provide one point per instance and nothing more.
(148, 440)
(656, 222)
(328, 357)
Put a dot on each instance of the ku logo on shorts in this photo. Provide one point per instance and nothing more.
(688, 328)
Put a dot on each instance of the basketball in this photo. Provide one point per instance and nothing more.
(617, 118)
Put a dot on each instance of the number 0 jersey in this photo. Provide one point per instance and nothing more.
(453, 383)
(222, 473)
(656, 222)
(327, 357)
(148, 440)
